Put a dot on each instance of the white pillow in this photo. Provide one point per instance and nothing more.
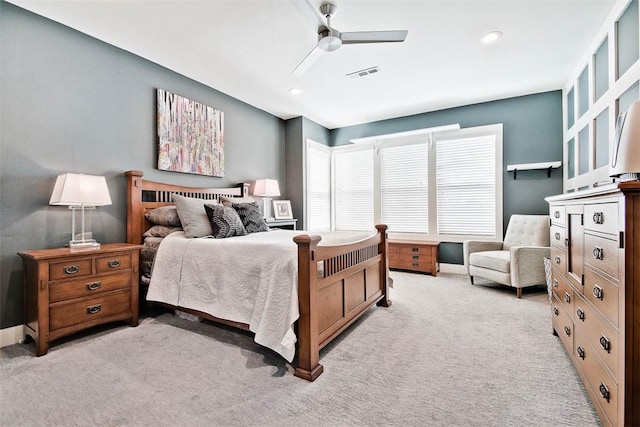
(193, 216)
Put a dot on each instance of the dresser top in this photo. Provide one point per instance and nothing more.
(105, 248)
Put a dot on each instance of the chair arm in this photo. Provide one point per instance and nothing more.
(470, 246)
(527, 266)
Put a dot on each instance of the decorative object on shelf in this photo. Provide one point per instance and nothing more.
(282, 209)
(191, 136)
(266, 188)
(82, 193)
(625, 160)
(533, 166)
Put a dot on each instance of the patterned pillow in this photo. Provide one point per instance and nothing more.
(225, 221)
(251, 217)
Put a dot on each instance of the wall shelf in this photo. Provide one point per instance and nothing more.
(533, 166)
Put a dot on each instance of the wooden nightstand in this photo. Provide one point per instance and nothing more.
(414, 255)
(287, 224)
(67, 290)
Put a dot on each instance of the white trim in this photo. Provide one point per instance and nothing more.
(10, 336)
(409, 133)
(452, 268)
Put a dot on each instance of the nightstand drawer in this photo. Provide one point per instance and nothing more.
(423, 265)
(113, 262)
(68, 289)
(68, 314)
(70, 269)
(409, 250)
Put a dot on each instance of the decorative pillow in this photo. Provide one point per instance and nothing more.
(251, 217)
(228, 200)
(165, 215)
(225, 221)
(160, 231)
(193, 216)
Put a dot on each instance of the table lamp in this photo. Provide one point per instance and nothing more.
(266, 188)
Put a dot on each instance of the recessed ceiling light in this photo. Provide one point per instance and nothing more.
(294, 91)
(491, 37)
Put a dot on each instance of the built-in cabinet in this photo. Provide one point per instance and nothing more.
(595, 253)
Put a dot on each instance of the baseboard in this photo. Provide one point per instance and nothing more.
(452, 268)
(10, 336)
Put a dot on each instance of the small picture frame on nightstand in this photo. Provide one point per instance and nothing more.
(282, 209)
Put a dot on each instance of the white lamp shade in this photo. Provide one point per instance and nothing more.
(74, 189)
(266, 188)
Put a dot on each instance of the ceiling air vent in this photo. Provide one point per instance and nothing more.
(363, 73)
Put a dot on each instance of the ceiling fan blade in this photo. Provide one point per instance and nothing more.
(309, 11)
(306, 62)
(373, 36)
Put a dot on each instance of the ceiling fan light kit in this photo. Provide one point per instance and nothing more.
(330, 39)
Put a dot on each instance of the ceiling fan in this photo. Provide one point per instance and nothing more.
(330, 39)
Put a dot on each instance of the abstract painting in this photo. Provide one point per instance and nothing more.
(191, 136)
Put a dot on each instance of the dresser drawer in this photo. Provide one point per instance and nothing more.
(83, 287)
(409, 250)
(62, 315)
(562, 324)
(557, 214)
(559, 260)
(120, 261)
(423, 265)
(558, 236)
(602, 254)
(562, 291)
(602, 217)
(603, 339)
(603, 388)
(603, 294)
(70, 269)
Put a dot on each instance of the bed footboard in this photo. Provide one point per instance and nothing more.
(336, 285)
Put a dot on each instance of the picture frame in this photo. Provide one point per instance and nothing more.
(282, 209)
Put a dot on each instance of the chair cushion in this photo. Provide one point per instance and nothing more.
(527, 230)
(493, 260)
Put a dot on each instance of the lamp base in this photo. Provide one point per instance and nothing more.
(84, 244)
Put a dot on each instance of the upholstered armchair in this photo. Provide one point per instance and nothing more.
(518, 260)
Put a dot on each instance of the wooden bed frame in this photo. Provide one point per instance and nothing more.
(336, 284)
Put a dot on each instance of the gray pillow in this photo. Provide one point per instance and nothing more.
(160, 231)
(228, 200)
(251, 217)
(164, 215)
(225, 221)
(193, 216)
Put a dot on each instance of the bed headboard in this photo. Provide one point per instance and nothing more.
(143, 196)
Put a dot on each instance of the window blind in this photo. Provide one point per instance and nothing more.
(466, 186)
(404, 189)
(354, 183)
(318, 187)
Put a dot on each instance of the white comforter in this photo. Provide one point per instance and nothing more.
(250, 279)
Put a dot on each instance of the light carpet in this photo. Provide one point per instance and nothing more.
(446, 353)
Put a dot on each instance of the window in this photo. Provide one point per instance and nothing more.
(318, 174)
(433, 185)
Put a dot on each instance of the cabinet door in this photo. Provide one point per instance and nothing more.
(575, 240)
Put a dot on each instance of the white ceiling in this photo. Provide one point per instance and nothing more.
(248, 48)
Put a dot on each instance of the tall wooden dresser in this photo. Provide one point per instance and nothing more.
(595, 254)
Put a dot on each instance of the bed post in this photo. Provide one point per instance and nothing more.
(134, 206)
(384, 273)
(308, 367)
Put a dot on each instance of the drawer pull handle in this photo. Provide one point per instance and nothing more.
(598, 218)
(556, 214)
(566, 242)
(415, 249)
(598, 292)
(604, 392)
(580, 351)
(605, 343)
(580, 314)
(414, 264)
(93, 286)
(415, 257)
(557, 236)
(598, 253)
(71, 269)
(94, 309)
(556, 311)
(555, 283)
(115, 263)
(557, 259)
(567, 297)
(567, 331)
